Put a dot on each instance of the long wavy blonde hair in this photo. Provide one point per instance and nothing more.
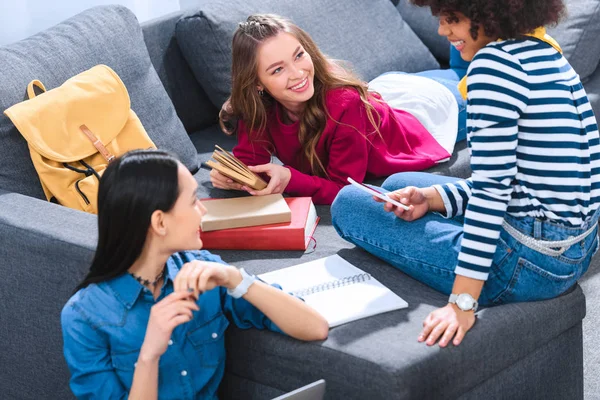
(247, 104)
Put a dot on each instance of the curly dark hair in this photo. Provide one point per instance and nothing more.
(502, 19)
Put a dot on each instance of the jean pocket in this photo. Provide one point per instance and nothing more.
(532, 282)
(209, 340)
(501, 273)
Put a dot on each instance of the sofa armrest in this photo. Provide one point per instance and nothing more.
(45, 251)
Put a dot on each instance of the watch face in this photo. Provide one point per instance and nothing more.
(465, 302)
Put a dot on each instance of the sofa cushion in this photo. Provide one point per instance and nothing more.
(193, 106)
(107, 35)
(371, 35)
(379, 357)
(578, 33)
(592, 87)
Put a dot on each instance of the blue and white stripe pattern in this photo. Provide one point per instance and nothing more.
(534, 147)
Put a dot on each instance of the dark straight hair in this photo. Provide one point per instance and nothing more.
(131, 189)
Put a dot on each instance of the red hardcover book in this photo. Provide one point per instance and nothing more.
(294, 235)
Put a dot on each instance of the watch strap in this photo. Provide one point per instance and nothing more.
(454, 298)
(242, 288)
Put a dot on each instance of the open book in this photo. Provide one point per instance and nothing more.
(336, 289)
(230, 166)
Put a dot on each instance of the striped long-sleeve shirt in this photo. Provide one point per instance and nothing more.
(534, 147)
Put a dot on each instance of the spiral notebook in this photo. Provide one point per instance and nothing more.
(336, 289)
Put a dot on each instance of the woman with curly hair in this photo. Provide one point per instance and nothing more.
(524, 226)
(318, 118)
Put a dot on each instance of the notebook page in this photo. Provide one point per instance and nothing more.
(342, 304)
(302, 276)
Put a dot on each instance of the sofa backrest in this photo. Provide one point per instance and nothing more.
(107, 35)
(425, 27)
(371, 35)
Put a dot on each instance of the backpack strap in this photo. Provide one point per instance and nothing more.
(31, 88)
(97, 144)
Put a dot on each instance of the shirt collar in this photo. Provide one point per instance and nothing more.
(127, 289)
(538, 33)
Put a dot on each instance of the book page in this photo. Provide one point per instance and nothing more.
(338, 305)
(230, 166)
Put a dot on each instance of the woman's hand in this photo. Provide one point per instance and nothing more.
(280, 177)
(220, 181)
(200, 276)
(173, 310)
(446, 323)
(415, 198)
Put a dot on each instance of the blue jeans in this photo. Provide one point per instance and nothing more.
(427, 249)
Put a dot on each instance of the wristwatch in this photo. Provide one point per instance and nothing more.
(242, 288)
(464, 301)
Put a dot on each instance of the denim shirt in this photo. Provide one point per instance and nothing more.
(104, 326)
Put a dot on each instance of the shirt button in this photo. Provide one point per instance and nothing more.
(134, 365)
(184, 373)
(170, 342)
(214, 335)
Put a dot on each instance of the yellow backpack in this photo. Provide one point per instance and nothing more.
(75, 130)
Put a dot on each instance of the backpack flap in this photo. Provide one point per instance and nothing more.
(52, 122)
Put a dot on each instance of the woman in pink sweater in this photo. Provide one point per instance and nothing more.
(316, 117)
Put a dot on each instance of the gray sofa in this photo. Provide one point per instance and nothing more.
(516, 351)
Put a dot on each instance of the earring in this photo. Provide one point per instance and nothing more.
(261, 93)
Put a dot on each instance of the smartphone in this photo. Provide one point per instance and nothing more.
(377, 193)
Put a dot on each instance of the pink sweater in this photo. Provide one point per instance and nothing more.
(347, 148)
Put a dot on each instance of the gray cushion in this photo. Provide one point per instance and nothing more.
(578, 34)
(371, 35)
(592, 87)
(193, 106)
(425, 26)
(103, 35)
(374, 357)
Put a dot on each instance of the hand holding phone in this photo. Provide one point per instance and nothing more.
(377, 193)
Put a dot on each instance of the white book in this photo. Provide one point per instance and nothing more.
(336, 289)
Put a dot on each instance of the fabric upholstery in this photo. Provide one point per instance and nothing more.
(191, 102)
(374, 357)
(351, 30)
(578, 33)
(45, 251)
(101, 35)
(425, 26)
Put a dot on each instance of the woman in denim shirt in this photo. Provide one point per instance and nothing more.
(149, 319)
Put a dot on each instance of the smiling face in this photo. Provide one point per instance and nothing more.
(458, 32)
(285, 71)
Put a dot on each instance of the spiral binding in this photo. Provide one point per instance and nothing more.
(349, 280)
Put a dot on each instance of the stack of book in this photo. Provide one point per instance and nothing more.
(269, 222)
